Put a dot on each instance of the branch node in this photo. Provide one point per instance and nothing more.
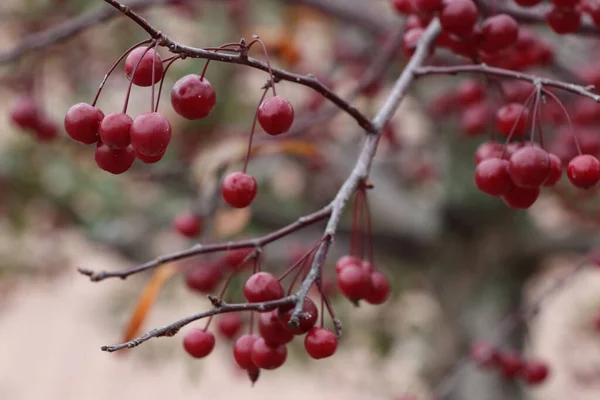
(215, 301)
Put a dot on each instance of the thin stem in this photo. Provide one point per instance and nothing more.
(562, 107)
(173, 59)
(266, 53)
(223, 48)
(133, 74)
(153, 76)
(252, 131)
(536, 102)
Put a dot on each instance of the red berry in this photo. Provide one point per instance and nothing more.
(188, 224)
(115, 161)
(563, 20)
(242, 351)
(565, 3)
(25, 112)
(354, 282)
(403, 6)
(150, 133)
(521, 198)
(458, 17)
(229, 325)
(492, 177)
(114, 130)
(307, 320)
(528, 3)
(320, 343)
(345, 261)
(498, 32)
(428, 6)
(470, 91)
(143, 73)
(534, 372)
(266, 357)
(198, 343)
(149, 159)
(475, 119)
(262, 286)
(584, 171)
(484, 354)
(46, 130)
(512, 118)
(488, 150)
(234, 258)
(410, 40)
(82, 122)
(529, 167)
(203, 277)
(276, 115)
(510, 364)
(555, 170)
(239, 189)
(272, 330)
(193, 97)
(380, 288)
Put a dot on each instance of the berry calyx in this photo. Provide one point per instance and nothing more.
(150, 133)
(276, 115)
(198, 343)
(380, 288)
(114, 130)
(458, 17)
(193, 97)
(229, 325)
(82, 122)
(354, 282)
(262, 286)
(529, 167)
(320, 343)
(272, 330)
(242, 351)
(187, 224)
(266, 357)
(492, 177)
(115, 161)
(143, 74)
(584, 171)
(512, 118)
(307, 319)
(239, 189)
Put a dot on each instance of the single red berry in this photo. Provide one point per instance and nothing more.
(529, 167)
(307, 319)
(512, 118)
(150, 133)
(193, 97)
(475, 119)
(404, 6)
(521, 198)
(203, 277)
(276, 115)
(584, 171)
(470, 91)
(143, 74)
(82, 122)
(235, 258)
(411, 40)
(484, 354)
(345, 261)
(320, 343)
(534, 372)
(266, 357)
(188, 224)
(380, 288)
(488, 150)
(492, 177)
(46, 130)
(115, 161)
(498, 32)
(229, 325)
(272, 330)
(239, 189)
(510, 364)
(555, 170)
(114, 130)
(25, 112)
(458, 17)
(198, 343)
(242, 351)
(563, 20)
(262, 286)
(149, 159)
(354, 282)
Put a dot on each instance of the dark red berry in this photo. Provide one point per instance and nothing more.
(475, 119)
(188, 224)
(115, 161)
(149, 159)
(534, 372)
(235, 258)
(428, 6)
(528, 3)
(529, 167)
(150, 133)
(25, 112)
(380, 288)
(272, 330)
(354, 282)
(563, 20)
(204, 277)
(143, 74)
(584, 171)
(566, 3)
(46, 130)
(498, 32)
(403, 6)
(82, 122)
(555, 170)
(458, 17)
(242, 351)
(492, 177)
(193, 97)
(276, 115)
(262, 286)
(345, 261)
(114, 130)
(307, 319)
(488, 150)
(521, 198)
(484, 354)
(510, 364)
(239, 189)
(229, 325)
(198, 343)
(512, 118)
(320, 343)
(266, 357)
(470, 91)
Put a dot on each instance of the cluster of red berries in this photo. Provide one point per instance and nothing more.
(28, 115)
(509, 363)
(359, 280)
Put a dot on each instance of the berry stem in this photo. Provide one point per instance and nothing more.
(133, 74)
(252, 131)
(266, 53)
(536, 103)
(526, 105)
(224, 48)
(153, 75)
(296, 264)
(562, 107)
(162, 80)
(112, 68)
(367, 211)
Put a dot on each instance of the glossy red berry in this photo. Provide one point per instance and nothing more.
(262, 286)
(584, 171)
(239, 189)
(149, 159)
(25, 112)
(115, 161)
(150, 133)
(521, 198)
(458, 17)
(380, 288)
(534, 372)
(512, 118)
(198, 343)
(82, 122)
(266, 357)
(555, 170)
(242, 351)
(498, 32)
(114, 130)
(143, 74)
(345, 261)
(272, 330)
(510, 364)
(354, 282)
(470, 91)
(188, 224)
(193, 97)
(203, 277)
(307, 320)
(488, 150)
(563, 20)
(229, 325)
(276, 115)
(492, 177)
(484, 354)
(529, 167)
(320, 343)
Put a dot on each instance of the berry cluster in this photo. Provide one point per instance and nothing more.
(29, 116)
(359, 280)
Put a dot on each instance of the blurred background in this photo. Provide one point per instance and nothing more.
(459, 261)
